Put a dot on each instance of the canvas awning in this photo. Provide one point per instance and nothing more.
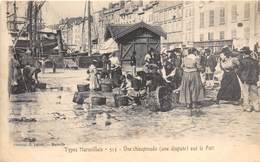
(109, 46)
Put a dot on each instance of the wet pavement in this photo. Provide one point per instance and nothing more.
(50, 118)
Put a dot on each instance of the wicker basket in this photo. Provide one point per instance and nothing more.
(83, 87)
(98, 100)
(121, 100)
(78, 98)
(106, 87)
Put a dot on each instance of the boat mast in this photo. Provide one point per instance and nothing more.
(89, 29)
(15, 16)
(83, 43)
(29, 17)
(35, 30)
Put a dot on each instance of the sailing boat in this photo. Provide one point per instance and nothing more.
(29, 35)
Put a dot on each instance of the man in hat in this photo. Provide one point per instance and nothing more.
(211, 63)
(249, 74)
(54, 65)
(106, 66)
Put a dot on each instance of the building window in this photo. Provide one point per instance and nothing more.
(233, 34)
(247, 11)
(201, 37)
(222, 16)
(222, 35)
(201, 20)
(210, 36)
(211, 18)
(234, 13)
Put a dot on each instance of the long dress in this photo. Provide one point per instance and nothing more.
(230, 89)
(93, 80)
(191, 86)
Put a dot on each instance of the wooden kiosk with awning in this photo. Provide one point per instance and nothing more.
(139, 37)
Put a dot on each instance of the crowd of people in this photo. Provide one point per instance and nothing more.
(187, 73)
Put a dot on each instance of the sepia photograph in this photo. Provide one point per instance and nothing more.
(175, 79)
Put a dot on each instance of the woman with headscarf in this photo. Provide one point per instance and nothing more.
(230, 88)
(191, 90)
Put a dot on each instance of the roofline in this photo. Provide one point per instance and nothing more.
(142, 25)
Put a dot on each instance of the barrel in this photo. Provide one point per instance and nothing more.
(121, 100)
(106, 87)
(83, 87)
(98, 100)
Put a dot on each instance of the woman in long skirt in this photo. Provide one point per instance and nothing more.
(230, 89)
(191, 90)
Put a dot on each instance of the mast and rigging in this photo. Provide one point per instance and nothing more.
(89, 29)
(89, 18)
(83, 43)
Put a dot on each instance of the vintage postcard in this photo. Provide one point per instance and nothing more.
(130, 80)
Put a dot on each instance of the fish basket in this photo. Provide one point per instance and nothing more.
(106, 87)
(98, 100)
(83, 87)
(78, 98)
(121, 100)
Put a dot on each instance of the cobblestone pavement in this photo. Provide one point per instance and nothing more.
(49, 117)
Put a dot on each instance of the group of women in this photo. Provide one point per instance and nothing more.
(182, 73)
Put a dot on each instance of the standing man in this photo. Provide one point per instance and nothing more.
(43, 61)
(249, 74)
(106, 66)
(37, 70)
(54, 65)
(133, 63)
(211, 63)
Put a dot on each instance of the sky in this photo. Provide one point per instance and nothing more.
(53, 11)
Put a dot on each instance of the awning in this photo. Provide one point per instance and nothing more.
(109, 46)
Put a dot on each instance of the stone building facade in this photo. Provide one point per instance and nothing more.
(207, 24)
